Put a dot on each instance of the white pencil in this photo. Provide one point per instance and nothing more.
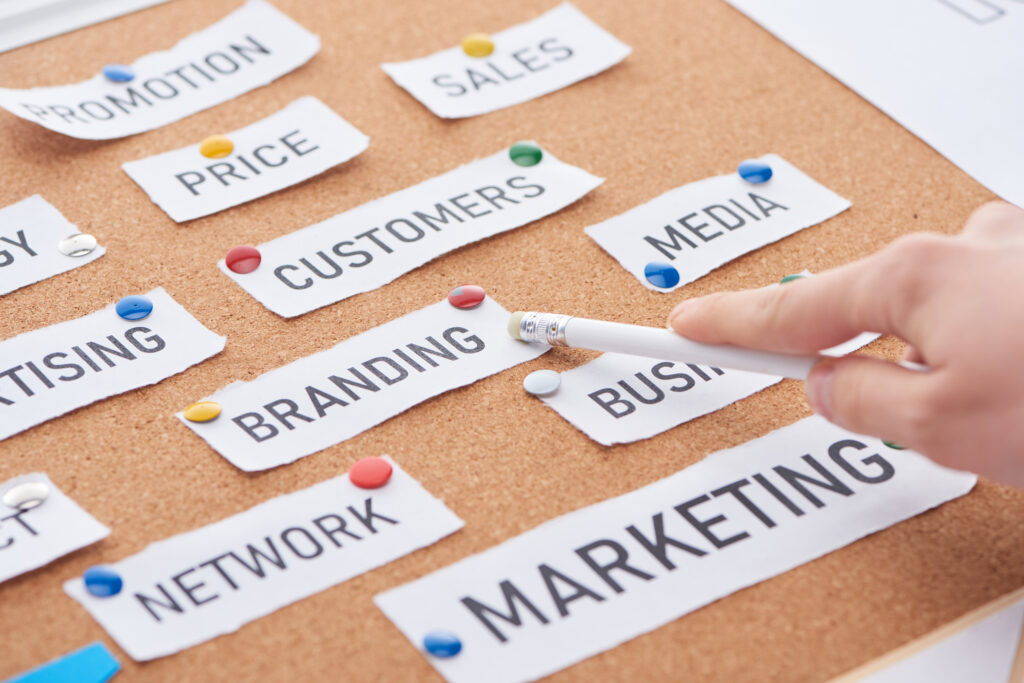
(653, 342)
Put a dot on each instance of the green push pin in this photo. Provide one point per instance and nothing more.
(894, 446)
(525, 154)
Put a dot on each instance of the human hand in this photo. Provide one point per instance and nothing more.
(958, 302)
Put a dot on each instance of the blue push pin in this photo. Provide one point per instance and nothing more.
(443, 644)
(662, 275)
(134, 307)
(102, 582)
(754, 171)
(118, 73)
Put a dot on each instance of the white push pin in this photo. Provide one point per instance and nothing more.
(542, 382)
(79, 244)
(27, 495)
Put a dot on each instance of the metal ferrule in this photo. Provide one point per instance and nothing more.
(548, 328)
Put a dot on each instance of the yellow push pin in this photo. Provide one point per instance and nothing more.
(202, 411)
(216, 147)
(478, 45)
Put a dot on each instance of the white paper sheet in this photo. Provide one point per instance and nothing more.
(29, 233)
(558, 48)
(250, 47)
(22, 23)
(190, 588)
(300, 141)
(982, 652)
(32, 538)
(702, 225)
(739, 532)
(323, 399)
(947, 70)
(371, 245)
(50, 371)
(617, 398)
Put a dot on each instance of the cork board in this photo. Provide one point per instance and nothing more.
(704, 88)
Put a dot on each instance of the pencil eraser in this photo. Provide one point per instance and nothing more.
(513, 324)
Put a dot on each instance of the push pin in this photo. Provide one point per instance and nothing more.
(102, 582)
(542, 382)
(370, 473)
(663, 275)
(525, 154)
(78, 244)
(243, 259)
(478, 45)
(27, 495)
(442, 644)
(216, 147)
(118, 73)
(202, 411)
(466, 296)
(134, 307)
(754, 171)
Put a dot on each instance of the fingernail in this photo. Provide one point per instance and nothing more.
(678, 311)
(819, 388)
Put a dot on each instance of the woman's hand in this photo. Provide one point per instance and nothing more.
(958, 302)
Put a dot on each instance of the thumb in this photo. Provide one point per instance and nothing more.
(869, 396)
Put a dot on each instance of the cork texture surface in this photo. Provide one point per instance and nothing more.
(704, 88)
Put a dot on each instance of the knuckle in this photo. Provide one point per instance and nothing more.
(909, 269)
(919, 424)
(770, 316)
(997, 212)
(776, 304)
(851, 394)
(926, 414)
(919, 250)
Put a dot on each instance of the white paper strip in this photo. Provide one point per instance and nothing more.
(22, 23)
(617, 398)
(30, 231)
(47, 372)
(190, 588)
(556, 49)
(323, 399)
(250, 47)
(371, 245)
(705, 224)
(35, 537)
(922, 51)
(592, 579)
(300, 141)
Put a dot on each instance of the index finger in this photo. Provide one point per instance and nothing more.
(877, 294)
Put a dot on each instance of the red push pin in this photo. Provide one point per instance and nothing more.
(466, 296)
(243, 259)
(370, 473)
